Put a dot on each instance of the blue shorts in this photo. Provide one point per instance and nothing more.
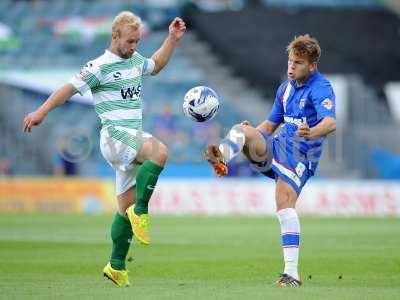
(279, 164)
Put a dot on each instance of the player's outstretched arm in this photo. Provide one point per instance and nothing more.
(325, 127)
(161, 57)
(57, 98)
(267, 127)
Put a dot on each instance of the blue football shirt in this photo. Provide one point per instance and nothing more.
(310, 102)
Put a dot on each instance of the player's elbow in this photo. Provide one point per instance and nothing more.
(332, 125)
(69, 90)
(155, 71)
(157, 65)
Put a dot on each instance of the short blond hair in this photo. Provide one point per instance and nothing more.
(126, 18)
(306, 47)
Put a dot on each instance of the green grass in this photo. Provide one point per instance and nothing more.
(61, 256)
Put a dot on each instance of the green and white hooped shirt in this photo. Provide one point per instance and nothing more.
(116, 85)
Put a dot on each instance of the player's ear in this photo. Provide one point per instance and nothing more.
(313, 66)
(115, 34)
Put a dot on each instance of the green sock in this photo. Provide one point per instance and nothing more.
(121, 235)
(146, 180)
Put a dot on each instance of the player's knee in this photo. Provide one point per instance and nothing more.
(161, 155)
(122, 210)
(285, 201)
(246, 131)
(282, 203)
(238, 126)
(241, 128)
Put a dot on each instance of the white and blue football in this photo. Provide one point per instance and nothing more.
(200, 103)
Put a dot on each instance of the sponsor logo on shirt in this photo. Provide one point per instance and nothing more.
(296, 121)
(117, 75)
(131, 91)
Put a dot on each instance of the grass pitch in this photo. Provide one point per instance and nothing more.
(62, 256)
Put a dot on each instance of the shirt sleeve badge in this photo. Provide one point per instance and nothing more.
(327, 103)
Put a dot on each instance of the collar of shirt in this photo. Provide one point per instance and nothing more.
(308, 82)
(114, 56)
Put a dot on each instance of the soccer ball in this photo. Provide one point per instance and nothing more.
(200, 104)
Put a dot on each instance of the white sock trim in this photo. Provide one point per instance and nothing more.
(290, 225)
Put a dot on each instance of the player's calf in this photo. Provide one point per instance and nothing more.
(240, 137)
(232, 145)
(290, 227)
(153, 155)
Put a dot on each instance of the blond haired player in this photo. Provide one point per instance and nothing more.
(115, 81)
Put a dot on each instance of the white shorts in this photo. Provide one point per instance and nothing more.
(119, 146)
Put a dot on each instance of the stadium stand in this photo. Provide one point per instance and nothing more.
(42, 35)
(353, 51)
(50, 36)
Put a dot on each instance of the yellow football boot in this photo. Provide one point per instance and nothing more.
(140, 225)
(119, 277)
